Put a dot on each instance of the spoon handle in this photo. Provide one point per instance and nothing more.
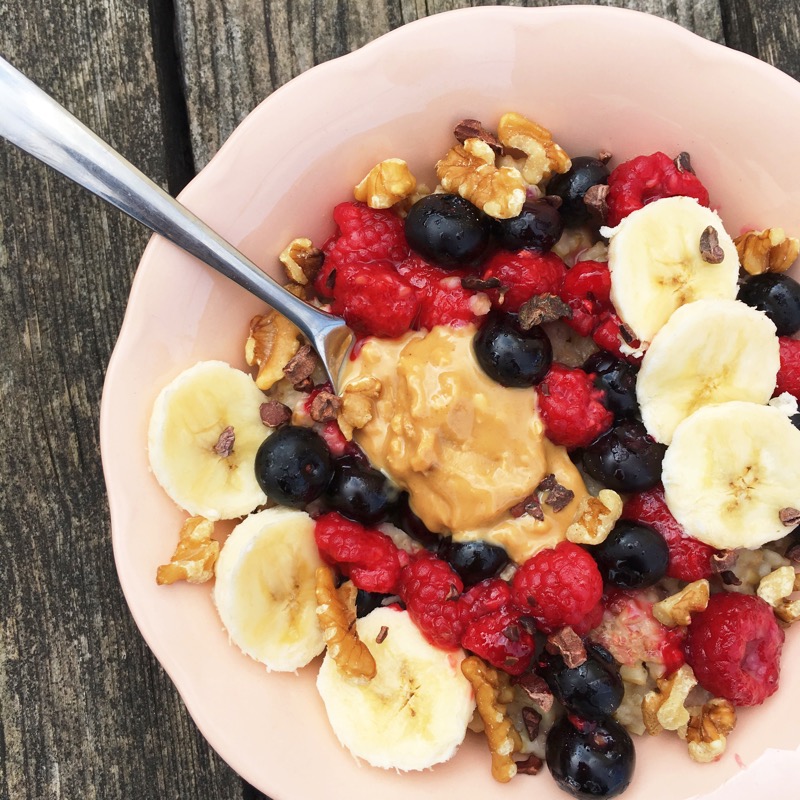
(36, 123)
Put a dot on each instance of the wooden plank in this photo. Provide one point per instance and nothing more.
(85, 711)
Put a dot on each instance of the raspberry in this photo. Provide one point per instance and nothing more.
(689, 558)
(734, 648)
(631, 633)
(646, 178)
(430, 589)
(500, 639)
(484, 598)
(587, 291)
(572, 407)
(526, 273)
(368, 557)
(334, 438)
(789, 373)
(608, 336)
(374, 300)
(590, 621)
(558, 587)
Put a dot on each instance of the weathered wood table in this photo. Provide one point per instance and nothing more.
(85, 710)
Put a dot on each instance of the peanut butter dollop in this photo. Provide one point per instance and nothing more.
(465, 448)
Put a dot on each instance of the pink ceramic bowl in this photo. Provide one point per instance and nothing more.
(600, 78)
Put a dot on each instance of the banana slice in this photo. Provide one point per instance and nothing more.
(657, 265)
(189, 418)
(265, 588)
(709, 351)
(730, 471)
(414, 712)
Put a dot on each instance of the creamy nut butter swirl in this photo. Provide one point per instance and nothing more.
(465, 448)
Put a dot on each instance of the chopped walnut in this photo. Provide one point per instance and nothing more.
(470, 170)
(776, 589)
(707, 732)
(302, 261)
(386, 184)
(678, 608)
(336, 612)
(595, 518)
(491, 687)
(664, 709)
(770, 250)
(195, 556)
(544, 156)
(357, 404)
(272, 343)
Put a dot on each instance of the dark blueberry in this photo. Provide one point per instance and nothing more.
(633, 556)
(404, 518)
(778, 296)
(293, 466)
(592, 690)
(584, 173)
(511, 356)
(473, 561)
(617, 378)
(595, 761)
(368, 601)
(537, 227)
(625, 458)
(795, 420)
(359, 492)
(447, 230)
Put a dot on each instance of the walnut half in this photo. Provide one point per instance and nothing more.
(195, 556)
(595, 518)
(707, 732)
(677, 609)
(386, 184)
(665, 709)
(272, 343)
(544, 156)
(770, 250)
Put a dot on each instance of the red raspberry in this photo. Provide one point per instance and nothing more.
(334, 438)
(430, 589)
(789, 373)
(485, 597)
(646, 178)
(631, 633)
(734, 648)
(368, 557)
(689, 558)
(374, 300)
(572, 407)
(500, 639)
(608, 336)
(590, 621)
(587, 290)
(527, 273)
(558, 587)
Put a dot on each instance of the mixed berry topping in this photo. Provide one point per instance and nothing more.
(789, 372)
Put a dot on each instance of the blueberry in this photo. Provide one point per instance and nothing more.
(511, 356)
(447, 230)
(367, 602)
(537, 227)
(594, 761)
(778, 296)
(625, 458)
(359, 492)
(617, 378)
(473, 561)
(593, 690)
(633, 556)
(293, 466)
(404, 518)
(795, 420)
(571, 187)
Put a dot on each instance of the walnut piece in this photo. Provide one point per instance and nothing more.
(544, 156)
(302, 261)
(492, 693)
(336, 612)
(770, 250)
(195, 556)
(470, 170)
(357, 404)
(386, 183)
(595, 518)
(664, 709)
(272, 343)
(776, 589)
(677, 609)
(707, 732)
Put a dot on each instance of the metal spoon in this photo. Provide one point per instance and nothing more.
(37, 124)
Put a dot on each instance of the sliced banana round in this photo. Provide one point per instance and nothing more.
(265, 589)
(414, 712)
(657, 265)
(732, 472)
(204, 433)
(709, 351)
